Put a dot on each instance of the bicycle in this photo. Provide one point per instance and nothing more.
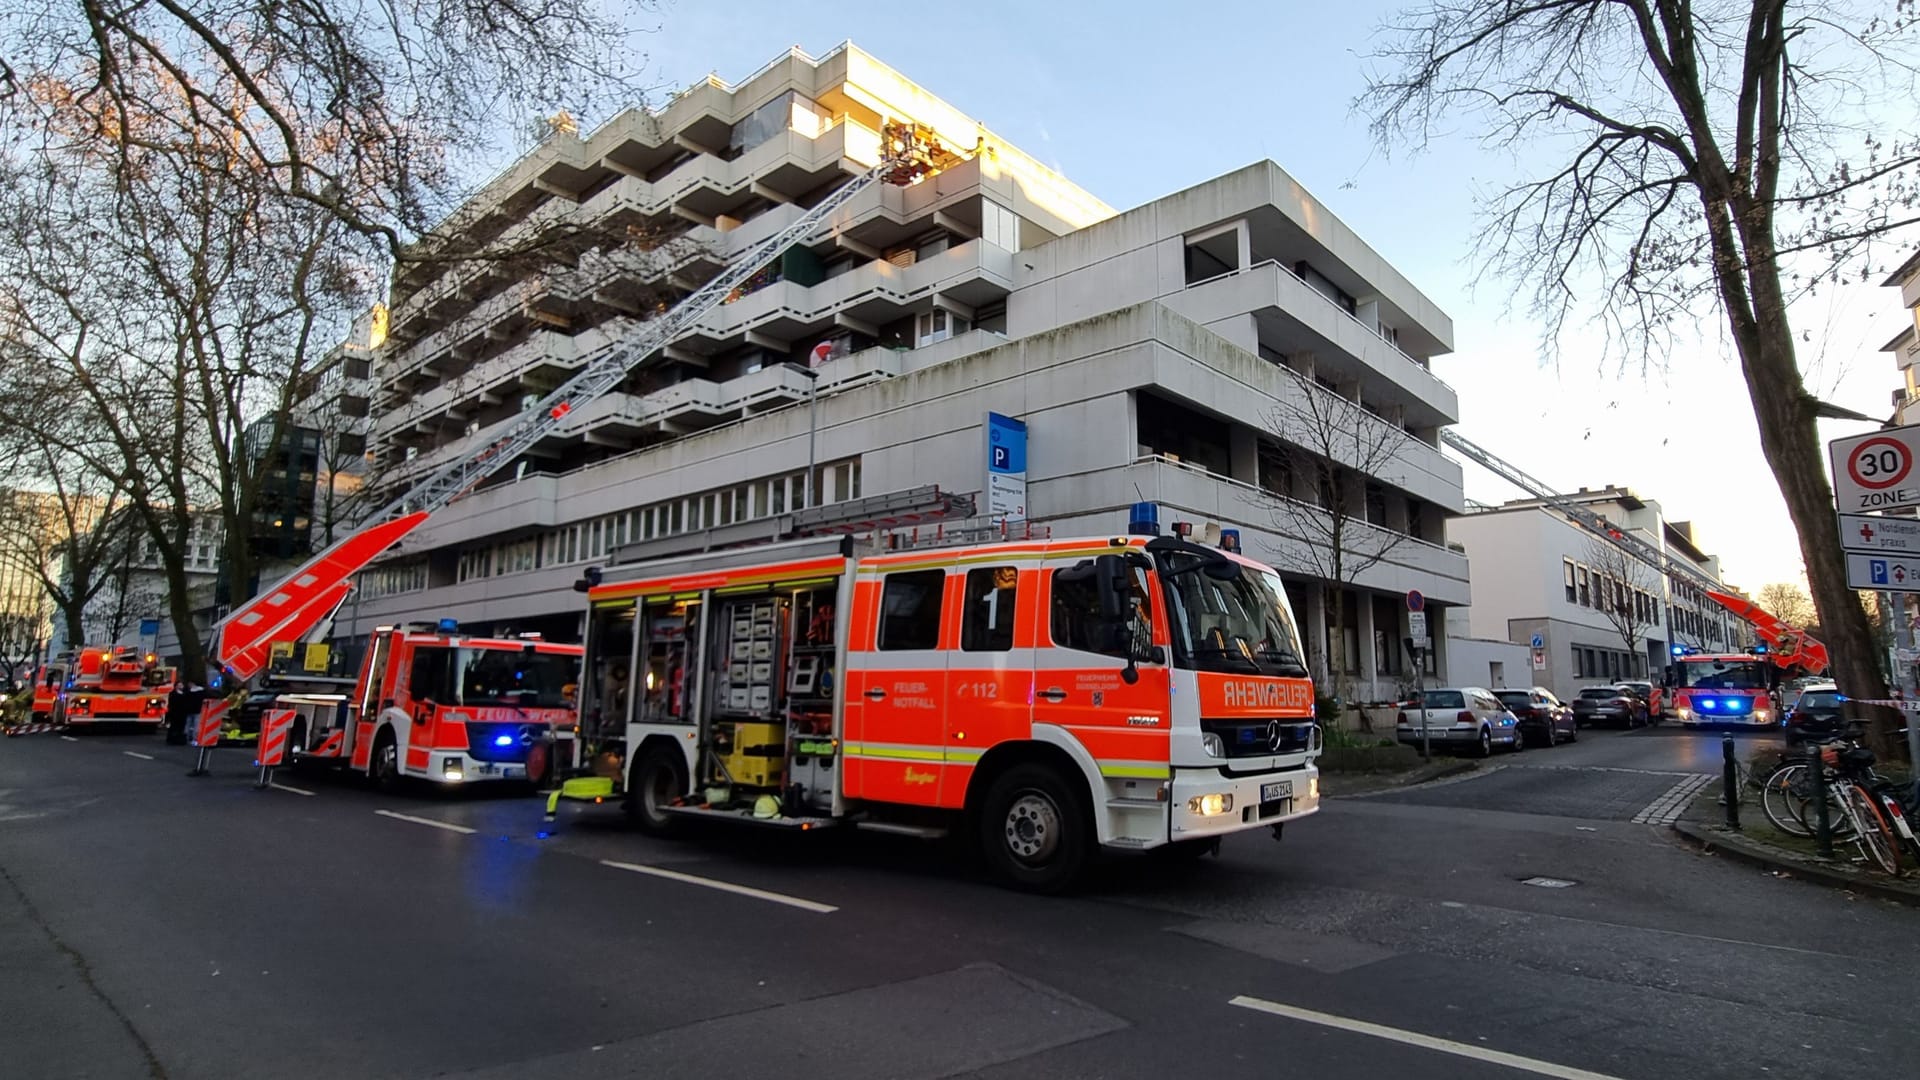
(1864, 809)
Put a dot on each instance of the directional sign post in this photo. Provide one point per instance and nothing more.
(1892, 573)
(1876, 472)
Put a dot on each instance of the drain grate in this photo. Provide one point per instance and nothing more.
(1548, 882)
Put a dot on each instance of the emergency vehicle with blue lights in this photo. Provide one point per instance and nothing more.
(433, 705)
(1048, 696)
(1724, 688)
(107, 684)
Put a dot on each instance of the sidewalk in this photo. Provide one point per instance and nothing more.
(1704, 825)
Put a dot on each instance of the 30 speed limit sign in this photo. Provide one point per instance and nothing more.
(1875, 472)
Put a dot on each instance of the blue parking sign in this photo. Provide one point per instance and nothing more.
(1878, 569)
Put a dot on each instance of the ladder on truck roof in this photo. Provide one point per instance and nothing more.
(312, 593)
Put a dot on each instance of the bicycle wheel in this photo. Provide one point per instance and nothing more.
(1876, 839)
(1783, 800)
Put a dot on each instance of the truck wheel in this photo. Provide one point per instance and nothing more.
(1032, 829)
(383, 770)
(656, 780)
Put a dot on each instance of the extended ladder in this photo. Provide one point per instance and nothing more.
(309, 596)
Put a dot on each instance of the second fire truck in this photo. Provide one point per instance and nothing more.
(1048, 696)
(111, 684)
(432, 705)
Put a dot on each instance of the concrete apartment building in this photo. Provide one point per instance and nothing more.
(1537, 573)
(1144, 351)
(1905, 346)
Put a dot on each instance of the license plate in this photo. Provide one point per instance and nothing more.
(487, 770)
(1276, 789)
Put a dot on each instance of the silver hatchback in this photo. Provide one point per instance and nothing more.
(1460, 716)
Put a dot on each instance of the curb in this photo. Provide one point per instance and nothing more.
(1414, 778)
(1716, 841)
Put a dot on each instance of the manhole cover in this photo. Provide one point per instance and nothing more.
(1548, 882)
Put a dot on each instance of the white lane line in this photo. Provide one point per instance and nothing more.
(724, 886)
(1425, 1042)
(461, 829)
(68, 738)
(1667, 809)
(283, 787)
(142, 757)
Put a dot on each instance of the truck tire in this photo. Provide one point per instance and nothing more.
(1033, 831)
(658, 778)
(383, 768)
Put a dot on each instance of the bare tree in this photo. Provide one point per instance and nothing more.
(1324, 472)
(22, 637)
(64, 537)
(1732, 156)
(1787, 602)
(374, 115)
(1623, 592)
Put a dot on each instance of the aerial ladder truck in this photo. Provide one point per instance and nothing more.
(304, 604)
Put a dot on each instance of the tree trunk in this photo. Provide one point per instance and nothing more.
(1791, 442)
(73, 616)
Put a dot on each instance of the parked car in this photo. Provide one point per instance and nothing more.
(1650, 693)
(1608, 705)
(1816, 713)
(1543, 718)
(1463, 716)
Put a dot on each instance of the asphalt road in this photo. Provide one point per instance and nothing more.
(152, 925)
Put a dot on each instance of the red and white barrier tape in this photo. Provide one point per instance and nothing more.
(1892, 703)
(31, 729)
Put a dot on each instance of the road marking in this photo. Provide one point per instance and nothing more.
(68, 738)
(142, 757)
(1425, 1042)
(1667, 809)
(724, 886)
(284, 787)
(450, 827)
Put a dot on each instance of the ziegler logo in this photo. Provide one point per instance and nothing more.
(1250, 694)
(912, 777)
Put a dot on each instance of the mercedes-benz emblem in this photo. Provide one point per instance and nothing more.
(1274, 735)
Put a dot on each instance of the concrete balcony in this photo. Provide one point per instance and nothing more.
(1294, 317)
(1093, 500)
(972, 274)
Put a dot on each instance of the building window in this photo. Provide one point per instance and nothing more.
(1573, 593)
(1586, 593)
(1579, 670)
(936, 325)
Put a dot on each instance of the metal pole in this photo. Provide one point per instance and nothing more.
(813, 414)
(1730, 781)
(1823, 825)
(1420, 696)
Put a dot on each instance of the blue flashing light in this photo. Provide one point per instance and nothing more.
(1679, 650)
(1143, 519)
(1229, 539)
(503, 740)
(449, 626)
(1708, 704)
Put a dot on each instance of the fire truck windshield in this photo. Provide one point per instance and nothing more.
(1723, 675)
(480, 678)
(1242, 624)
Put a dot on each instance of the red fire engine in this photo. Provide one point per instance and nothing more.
(49, 682)
(433, 705)
(1051, 696)
(1723, 688)
(113, 684)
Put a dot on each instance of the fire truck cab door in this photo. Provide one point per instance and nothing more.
(896, 690)
(1080, 675)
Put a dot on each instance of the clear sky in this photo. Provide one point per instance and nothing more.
(1133, 100)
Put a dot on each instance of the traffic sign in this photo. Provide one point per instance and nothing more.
(1870, 533)
(1876, 472)
(1417, 625)
(1883, 574)
(1539, 642)
(1539, 659)
(1415, 601)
